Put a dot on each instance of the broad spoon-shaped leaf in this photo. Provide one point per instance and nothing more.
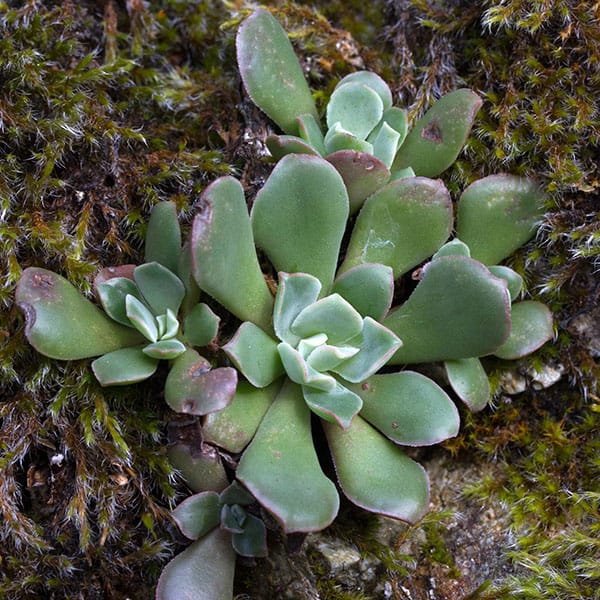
(458, 310)
(281, 469)
(204, 571)
(62, 324)
(271, 72)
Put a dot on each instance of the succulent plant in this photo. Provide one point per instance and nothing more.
(317, 346)
(366, 138)
(220, 526)
(151, 313)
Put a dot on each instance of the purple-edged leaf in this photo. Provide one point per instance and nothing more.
(271, 72)
(280, 145)
(201, 325)
(333, 316)
(164, 349)
(295, 293)
(368, 287)
(233, 427)
(192, 387)
(62, 324)
(253, 539)
(299, 217)
(160, 288)
(356, 107)
(339, 405)
(225, 261)
(372, 80)
(163, 236)
(363, 174)
(123, 367)
(498, 214)
(255, 354)
(401, 225)
(458, 310)
(375, 474)
(408, 408)
(200, 465)
(112, 295)
(376, 344)
(439, 135)
(470, 382)
(531, 328)
(281, 469)
(198, 514)
(236, 494)
(204, 571)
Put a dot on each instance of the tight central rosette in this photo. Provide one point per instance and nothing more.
(324, 342)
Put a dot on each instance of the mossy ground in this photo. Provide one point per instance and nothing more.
(108, 107)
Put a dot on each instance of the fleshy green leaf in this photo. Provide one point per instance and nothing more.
(437, 138)
(281, 468)
(233, 427)
(253, 540)
(271, 72)
(280, 145)
(325, 357)
(498, 214)
(232, 518)
(375, 474)
(164, 349)
(255, 354)
(302, 373)
(123, 367)
(112, 294)
(512, 278)
(296, 291)
(531, 328)
(198, 514)
(470, 382)
(168, 325)
(333, 316)
(376, 345)
(225, 262)
(185, 273)
(62, 324)
(160, 288)
(458, 310)
(408, 408)
(141, 318)
(310, 131)
(201, 325)
(236, 494)
(371, 80)
(356, 107)
(163, 236)
(299, 217)
(368, 287)
(338, 139)
(385, 144)
(453, 248)
(339, 405)
(363, 174)
(192, 387)
(200, 465)
(401, 225)
(204, 571)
